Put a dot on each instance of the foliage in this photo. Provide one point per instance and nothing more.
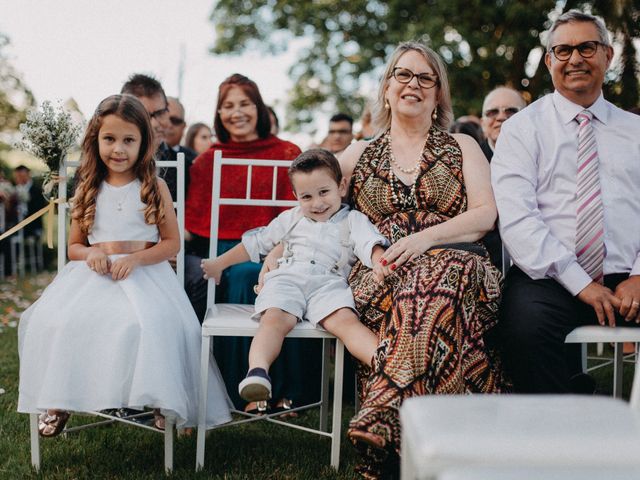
(48, 134)
(485, 43)
(15, 97)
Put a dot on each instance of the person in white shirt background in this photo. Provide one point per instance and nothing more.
(538, 179)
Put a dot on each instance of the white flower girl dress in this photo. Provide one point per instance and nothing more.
(92, 343)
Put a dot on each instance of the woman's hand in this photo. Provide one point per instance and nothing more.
(406, 250)
(123, 266)
(98, 261)
(212, 268)
(270, 263)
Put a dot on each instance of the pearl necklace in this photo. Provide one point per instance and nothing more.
(398, 196)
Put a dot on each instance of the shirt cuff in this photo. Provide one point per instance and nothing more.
(635, 269)
(369, 251)
(574, 278)
(251, 244)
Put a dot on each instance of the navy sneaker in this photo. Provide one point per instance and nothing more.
(256, 386)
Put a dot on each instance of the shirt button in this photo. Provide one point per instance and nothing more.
(313, 262)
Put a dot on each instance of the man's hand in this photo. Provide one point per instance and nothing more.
(603, 301)
(628, 292)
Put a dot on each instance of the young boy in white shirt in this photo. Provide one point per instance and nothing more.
(321, 239)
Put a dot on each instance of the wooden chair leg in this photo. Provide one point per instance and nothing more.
(35, 441)
(169, 424)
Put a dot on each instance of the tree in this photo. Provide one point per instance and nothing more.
(15, 97)
(484, 42)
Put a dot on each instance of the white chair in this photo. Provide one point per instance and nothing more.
(63, 209)
(519, 431)
(234, 320)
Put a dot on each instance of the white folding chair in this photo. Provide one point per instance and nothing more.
(523, 431)
(63, 209)
(235, 320)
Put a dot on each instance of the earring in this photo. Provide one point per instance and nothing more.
(434, 115)
(386, 105)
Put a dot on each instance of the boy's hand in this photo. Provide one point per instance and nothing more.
(98, 261)
(123, 266)
(380, 272)
(212, 269)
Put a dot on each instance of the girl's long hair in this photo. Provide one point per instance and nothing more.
(93, 171)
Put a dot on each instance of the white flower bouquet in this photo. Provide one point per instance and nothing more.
(49, 134)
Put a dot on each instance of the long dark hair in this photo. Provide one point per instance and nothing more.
(250, 88)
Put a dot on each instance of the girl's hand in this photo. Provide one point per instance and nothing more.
(405, 250)
(98, 261)
(122, 267)
(212, 269)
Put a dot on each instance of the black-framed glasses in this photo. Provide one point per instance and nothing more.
(586, 50)
(404, 75)
(176, 121)
(159, 113)
(494, 112)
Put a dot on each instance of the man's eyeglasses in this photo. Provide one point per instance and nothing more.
(176, 121)
(404, 75)
(341, 131)
(159, 113)
(494, 112)
(585, 49)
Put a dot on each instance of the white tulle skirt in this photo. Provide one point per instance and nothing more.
(91, 343)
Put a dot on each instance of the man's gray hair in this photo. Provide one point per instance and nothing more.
(576, 16)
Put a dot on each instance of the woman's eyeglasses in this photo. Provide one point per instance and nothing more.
(404, 75)
(494, 112)
(585, 49)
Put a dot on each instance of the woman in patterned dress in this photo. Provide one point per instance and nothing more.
(429, 192)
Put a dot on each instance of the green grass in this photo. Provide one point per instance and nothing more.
(254, 451)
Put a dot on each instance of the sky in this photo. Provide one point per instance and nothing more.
(86, 50)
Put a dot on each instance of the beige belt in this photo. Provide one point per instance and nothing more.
(127, 246)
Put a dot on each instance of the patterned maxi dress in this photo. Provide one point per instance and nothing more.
(432, 315)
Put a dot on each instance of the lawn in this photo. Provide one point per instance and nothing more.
(255, 451)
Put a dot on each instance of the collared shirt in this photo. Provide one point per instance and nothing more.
(534, 172)
(317, 242)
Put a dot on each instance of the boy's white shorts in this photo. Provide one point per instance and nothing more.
(304, 292)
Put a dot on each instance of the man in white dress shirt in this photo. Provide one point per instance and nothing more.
(566, 176)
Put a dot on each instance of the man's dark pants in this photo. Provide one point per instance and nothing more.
(535, 318)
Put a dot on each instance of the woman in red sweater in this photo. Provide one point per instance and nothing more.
(242, 126)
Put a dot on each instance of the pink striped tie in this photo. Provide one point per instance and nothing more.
(589, 216)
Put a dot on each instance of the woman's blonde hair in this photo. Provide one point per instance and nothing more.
(382, 115)
(93, 171)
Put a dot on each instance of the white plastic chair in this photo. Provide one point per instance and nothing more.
(525, 431)
(235, 320)
(63, 209)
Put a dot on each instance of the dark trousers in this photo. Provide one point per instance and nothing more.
(535, 318)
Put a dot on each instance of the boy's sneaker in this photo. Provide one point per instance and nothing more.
(256, 386)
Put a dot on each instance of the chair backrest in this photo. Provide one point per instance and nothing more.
(63, 209)
(246, 200)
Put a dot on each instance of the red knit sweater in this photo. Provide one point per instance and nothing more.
(237, 219)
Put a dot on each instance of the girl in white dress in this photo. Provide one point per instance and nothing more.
(115, 328)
